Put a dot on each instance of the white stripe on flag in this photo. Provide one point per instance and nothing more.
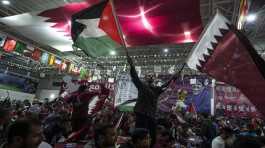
(92, 29)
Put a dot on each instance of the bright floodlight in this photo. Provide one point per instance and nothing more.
(187, 33)
(166, 50)
(5, 2)
(145, 21)
(112, 53)
(251, 18)
(52, 96)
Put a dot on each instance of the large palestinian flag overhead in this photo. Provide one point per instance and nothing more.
(90, 25)
(89, 28)
(155, 22)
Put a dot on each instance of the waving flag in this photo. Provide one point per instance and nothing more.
(159, 21)
(225, 54)
(88, 33)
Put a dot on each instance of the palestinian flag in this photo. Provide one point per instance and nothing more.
(87, 30)
(243, 12)
(228, 56)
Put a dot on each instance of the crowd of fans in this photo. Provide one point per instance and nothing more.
(48, 124)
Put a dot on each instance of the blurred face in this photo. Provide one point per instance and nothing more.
(34, 138)
(149, 79)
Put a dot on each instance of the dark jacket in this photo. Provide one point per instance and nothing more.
(146, 103)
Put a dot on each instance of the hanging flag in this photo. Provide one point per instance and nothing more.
(227, 55)
(51, 59)
(20, 47)
(63, 66)
(57, 62)
(9, 45)
(159, 21)
(2, 40)
(243, 12)
(44, 58)
(36, 54)
(70, 68)
(87, 33)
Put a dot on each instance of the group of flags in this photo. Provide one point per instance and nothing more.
(9, 45)
(107, 25)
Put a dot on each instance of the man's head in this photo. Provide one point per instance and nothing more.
(149, 78)
(25, 134)
(140, 138)
(105, 136)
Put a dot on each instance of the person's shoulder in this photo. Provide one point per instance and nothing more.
(218, 139)
(44, 145)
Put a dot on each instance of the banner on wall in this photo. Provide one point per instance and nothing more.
(230, 101)
(14, 83)
(182, 94)
(2, 40)
(125, 91)
(9, 45)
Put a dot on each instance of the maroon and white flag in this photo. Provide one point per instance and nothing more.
(227, 55)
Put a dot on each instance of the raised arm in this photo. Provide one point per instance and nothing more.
(136, 80)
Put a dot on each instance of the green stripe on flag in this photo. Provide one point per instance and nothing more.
(96, 46)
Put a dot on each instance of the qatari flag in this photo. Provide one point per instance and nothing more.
(227, 55)
(159, 21)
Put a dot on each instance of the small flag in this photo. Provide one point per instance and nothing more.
(36, 54)
(9, 45)
(44, 58)
(20, 47)
(243, 11)
(228, 56)
(51, 59)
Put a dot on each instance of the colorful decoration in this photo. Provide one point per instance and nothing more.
(44, 58)
(51, 59)
(9, 45)
(36, 54)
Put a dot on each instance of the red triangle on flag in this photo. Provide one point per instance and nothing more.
(108, 25)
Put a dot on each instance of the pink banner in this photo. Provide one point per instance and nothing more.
(229, 101)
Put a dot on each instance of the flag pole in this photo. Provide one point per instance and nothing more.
(119, 27)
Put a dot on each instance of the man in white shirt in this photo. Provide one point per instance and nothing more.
(219, 141)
